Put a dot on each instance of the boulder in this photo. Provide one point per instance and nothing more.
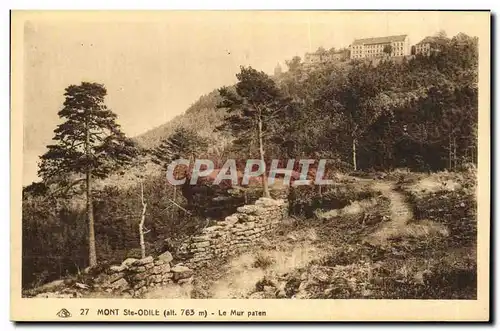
(181, 272)
(143, 261)
(250, 225)
(139, 277)
(167, 276)
(212, 229)
(200, 238)
(201, 244)
(139, 284)
(159, 269)
(229, 220)
(246, 218)
(138, 269)
(120, 285)
(159, 262)
(117, 268)
(128, 262)
(281, 292)
(140, 290)
(102, 278)
(156, 278)
(268, 202)
(166, 257)
(114, 277)
(251, 209)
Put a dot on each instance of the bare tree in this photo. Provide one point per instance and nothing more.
(141, 223)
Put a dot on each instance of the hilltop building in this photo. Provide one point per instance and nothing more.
(314, 58)
(380, 47)
(325, 56)
(429, 45)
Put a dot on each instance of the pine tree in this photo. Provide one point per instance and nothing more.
(252, 107)
(88, 143)
(183, 143)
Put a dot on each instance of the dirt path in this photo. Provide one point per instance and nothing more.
(400, 213)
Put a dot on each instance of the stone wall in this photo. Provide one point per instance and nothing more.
(234, 233)
(136, 276)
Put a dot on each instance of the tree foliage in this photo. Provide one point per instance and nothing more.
(253, 107)
(183, 143)
(419, 113)
(85, 113)
(89, 142)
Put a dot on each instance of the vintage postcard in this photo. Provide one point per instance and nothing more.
(250, 165)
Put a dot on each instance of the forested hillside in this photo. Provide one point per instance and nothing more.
(419, 113)
(202, 117)
(400, 113)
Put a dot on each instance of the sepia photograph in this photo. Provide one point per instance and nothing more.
(259, 156)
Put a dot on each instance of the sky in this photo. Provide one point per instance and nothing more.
(156, 64)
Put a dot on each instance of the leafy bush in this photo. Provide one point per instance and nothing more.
(54, 240)
(457, 210)
(442, 280)
(263, 261)
(304, 200)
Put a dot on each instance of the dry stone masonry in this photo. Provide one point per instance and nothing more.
(132, 277)
(136, 276)
(235, 233)
(230, 236)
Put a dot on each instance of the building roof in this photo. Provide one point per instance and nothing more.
(432, 40)
(379, 40)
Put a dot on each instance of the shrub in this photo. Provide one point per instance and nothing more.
(455, 209)
(263, 261)
(259, 286)
(304, 200)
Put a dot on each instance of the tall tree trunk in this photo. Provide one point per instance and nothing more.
(261, 151)
(174, 198)
(90, 210)
(354, 163)
(141, 223)
(90, 216)
(449, 152)
(454, 153)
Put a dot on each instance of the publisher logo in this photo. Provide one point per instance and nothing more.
(64, 313)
